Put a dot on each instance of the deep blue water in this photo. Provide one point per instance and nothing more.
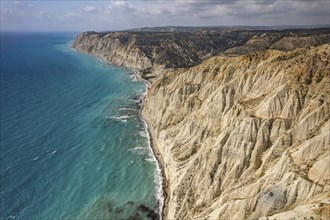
(73, 145)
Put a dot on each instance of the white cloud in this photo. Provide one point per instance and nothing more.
(7, 11)
(90, 9)
(121, 14)
(19, 3)
(119, 3)
(107, 10)
(64, 16)
(43, 14)
(72, 15)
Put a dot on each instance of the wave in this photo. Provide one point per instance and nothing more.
(151, 160)
(133, 77)
(121, 118)
(158, 177)
(127, 109)
(137, 149)
(143, 134)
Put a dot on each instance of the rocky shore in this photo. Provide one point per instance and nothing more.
(155, 151)
(239, 125)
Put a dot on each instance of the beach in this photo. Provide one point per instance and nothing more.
(156, 153)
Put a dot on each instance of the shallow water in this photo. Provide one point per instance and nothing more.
(72, 142)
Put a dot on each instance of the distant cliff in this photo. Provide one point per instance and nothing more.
(240, 118)
(152, 52)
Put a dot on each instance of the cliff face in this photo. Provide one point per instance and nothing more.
(152, 52)
(149, 51)
(115, 48)
(246, 137)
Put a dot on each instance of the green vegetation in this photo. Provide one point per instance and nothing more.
(194, 151)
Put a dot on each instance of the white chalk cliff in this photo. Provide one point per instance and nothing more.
(245, 137)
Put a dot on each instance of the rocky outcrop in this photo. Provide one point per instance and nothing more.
(245, 137)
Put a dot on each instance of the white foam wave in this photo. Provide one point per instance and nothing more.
(128, 109)
(136, 100)
(158, 178)
(102, 147)
(122, 118)
(151, 160)
(144, 92)
(143, 134)
(133, 77)
(137, 149)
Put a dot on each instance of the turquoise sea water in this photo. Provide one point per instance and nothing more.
(73, 145)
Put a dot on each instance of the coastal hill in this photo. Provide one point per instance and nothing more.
(152, 52)
(239, 119)
(246, 137)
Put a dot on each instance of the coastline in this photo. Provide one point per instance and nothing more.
(155, 151)
(151, 134)
(191, 178)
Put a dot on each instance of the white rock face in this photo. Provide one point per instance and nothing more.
(245, 137)
(113, 50)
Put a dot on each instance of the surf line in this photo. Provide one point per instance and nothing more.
(159, 173)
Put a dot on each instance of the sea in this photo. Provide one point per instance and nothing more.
(73, 143)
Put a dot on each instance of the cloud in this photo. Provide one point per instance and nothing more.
(107, 10)
(18, 3)
(90, 9)
(44, 14)
(239, 9)
(98, 10)
(72, 15)
(6, 11)
(121, 4)
(121, 14)
(16, 9)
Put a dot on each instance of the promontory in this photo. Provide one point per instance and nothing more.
(239, 117)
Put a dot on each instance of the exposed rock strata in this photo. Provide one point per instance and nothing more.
(246, 137)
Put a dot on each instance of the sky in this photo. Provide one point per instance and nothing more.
(89, 15)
